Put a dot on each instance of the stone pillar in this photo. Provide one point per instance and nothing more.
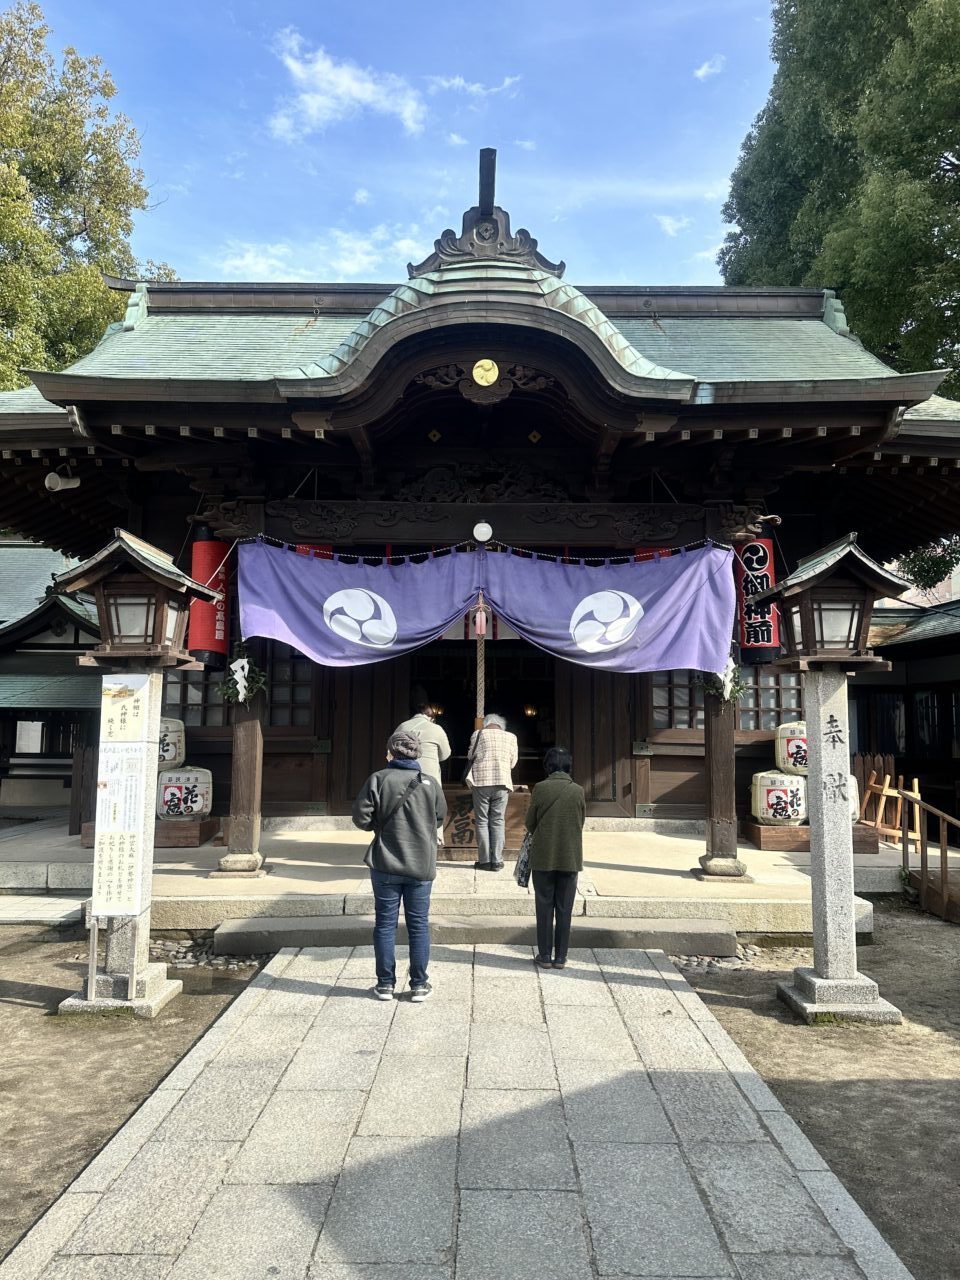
(833, 989)
(719, 727)
(243, 859)
(123, 856)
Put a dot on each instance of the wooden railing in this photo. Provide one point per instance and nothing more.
(934, 890)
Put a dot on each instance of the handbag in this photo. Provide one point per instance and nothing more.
(521, 872)
(465, 776)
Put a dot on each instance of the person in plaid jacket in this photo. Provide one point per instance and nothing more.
(493, 756)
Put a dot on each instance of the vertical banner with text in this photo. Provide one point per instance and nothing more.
(758, 623)
(126, 789)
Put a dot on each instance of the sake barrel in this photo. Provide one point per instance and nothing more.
(184, 793)
(779, 799)
(173, 743)
(791, 747)
(853, 792)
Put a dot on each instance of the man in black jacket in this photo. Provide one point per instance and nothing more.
(403, 807)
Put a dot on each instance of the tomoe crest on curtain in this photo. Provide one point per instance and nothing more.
(658, 615)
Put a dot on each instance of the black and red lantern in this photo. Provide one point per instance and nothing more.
(209, 633)
(758, 621)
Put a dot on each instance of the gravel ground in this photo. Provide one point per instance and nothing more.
(881, 1104)
(68, 1084)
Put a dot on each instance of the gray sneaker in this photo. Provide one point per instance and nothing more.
(419, 994)
(383, 991)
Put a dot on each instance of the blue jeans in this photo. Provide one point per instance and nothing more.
(388, 892)
(490, 807)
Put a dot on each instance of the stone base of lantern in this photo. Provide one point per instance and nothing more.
(817, 999)
(152, 991)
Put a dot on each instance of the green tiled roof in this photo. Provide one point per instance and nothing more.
(229, 347)
(936, 623)
(936, 409)
(36, 693)
(28, 400)
(727, 349)
(25, 574)
(258, 347)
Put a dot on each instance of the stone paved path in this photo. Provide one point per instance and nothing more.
(521, 1125)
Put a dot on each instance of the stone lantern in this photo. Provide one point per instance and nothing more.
(143, 603)
(826, 607)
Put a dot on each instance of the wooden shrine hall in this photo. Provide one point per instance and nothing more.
(382, 419)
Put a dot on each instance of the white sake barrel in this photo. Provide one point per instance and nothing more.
(184, 793)
(779, 799)
(854, 794)
(791, 747)
(173, 743)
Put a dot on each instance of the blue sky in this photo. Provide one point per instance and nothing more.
(296, 141)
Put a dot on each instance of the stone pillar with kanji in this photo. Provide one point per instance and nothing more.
(834, 988)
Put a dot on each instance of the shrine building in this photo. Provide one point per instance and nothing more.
(383, 420)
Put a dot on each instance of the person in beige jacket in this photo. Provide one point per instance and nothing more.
(434, 744)
(493, 757)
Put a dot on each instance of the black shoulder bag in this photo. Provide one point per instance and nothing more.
(400, 802)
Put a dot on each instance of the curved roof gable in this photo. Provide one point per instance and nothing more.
(509, 291)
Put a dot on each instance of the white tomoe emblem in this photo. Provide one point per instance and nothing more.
(605, 620)
(361, 616)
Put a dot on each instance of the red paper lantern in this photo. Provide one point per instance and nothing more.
(209, 634)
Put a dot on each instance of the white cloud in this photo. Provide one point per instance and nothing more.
(708, 255)
(525, 144)
(712, 67)
(361, 196)
(473, 88)
(456, 140)
(670, 225)
(327, 91)
(382, 251)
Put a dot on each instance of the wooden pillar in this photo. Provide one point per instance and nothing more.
(719, 718)
(243, 859)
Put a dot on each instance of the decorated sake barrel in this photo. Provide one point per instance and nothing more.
(854, 793)
(173, 743)
(779, 799)
(791, 747)
(184, 793)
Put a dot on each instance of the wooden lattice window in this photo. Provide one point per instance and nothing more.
(289, 687)
(195, 697)
(771, 698)
(677, 699)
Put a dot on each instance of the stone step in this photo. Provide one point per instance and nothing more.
(21, 908)
(259, 936)
(742, 915)
(342, 822)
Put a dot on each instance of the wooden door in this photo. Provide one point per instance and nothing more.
(368, 704)
(593, 721)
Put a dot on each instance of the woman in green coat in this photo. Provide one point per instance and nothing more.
(555, 821)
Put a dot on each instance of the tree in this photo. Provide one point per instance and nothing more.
(69, 187)
(851, 175)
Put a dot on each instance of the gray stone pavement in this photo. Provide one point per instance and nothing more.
(521, 1125)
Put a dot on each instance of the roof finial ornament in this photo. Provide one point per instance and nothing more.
(488, 180)
(486, 233)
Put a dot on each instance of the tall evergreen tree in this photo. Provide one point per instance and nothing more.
(69, 187)
(850, 177)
